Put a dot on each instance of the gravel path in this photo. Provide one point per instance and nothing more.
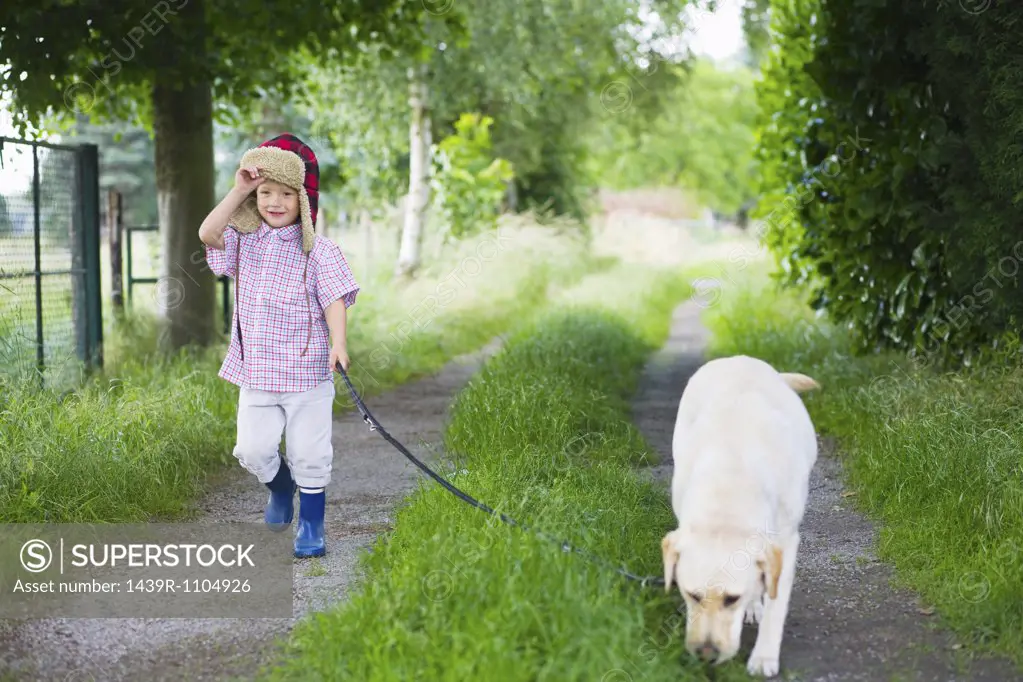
(370, 478)
(845, 622)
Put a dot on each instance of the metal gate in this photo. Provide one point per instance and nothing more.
(51, 322)
(131, 279)
(124, 249)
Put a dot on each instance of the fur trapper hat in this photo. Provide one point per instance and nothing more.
(289, 161)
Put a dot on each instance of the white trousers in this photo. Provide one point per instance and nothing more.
(305, 418)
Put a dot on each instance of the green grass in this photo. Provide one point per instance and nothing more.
(125, 450)
(543, 433)
(142, 440)
(934, 456)
(18, 329)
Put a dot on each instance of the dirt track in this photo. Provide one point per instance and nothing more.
(845, 621)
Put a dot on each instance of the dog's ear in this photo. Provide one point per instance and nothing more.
(670, 556)
(770, 568)
(800, 383)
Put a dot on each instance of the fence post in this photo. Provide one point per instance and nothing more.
(36, 239)
(115, 230)
(79, 265)
(131, 278)
(88, 187)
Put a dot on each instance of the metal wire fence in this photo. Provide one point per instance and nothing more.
(50, 320)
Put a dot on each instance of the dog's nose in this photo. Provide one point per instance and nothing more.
(708, 652)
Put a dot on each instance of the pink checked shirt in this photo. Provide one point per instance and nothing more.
(275, 315)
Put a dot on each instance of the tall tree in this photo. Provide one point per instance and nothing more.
(419, 159)
(176, 65)
(538, 68)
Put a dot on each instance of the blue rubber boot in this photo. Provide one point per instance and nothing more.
(309, 541)
(280, 508)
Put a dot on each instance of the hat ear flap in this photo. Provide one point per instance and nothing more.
(246, 217)
(308, 237)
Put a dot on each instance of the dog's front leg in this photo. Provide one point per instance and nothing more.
(755, 610)
(764, 660)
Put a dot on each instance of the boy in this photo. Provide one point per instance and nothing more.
(292, 291)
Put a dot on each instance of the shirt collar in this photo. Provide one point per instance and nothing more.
(287, 233)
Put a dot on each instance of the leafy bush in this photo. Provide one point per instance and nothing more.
(469, 184)
(891, 169)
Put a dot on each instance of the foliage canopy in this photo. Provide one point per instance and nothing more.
(103, 59)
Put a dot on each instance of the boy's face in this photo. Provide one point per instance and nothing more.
(277, 203)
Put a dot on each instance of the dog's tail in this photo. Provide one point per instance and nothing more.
(800, 383)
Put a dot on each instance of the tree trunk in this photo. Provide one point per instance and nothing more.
(409, 251)
(511, 197)
(273, 122)
(186, 292)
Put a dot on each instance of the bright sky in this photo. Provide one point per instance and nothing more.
(717, 35)
(16, 170)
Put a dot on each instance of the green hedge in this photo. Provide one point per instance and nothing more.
(891, 160)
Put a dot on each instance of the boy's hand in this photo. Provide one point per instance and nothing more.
(248, 179)
(338, 353)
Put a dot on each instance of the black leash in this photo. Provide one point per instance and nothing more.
(374, 425)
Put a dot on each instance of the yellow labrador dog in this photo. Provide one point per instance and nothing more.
(743, 448)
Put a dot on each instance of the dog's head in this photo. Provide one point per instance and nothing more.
(719, 574)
